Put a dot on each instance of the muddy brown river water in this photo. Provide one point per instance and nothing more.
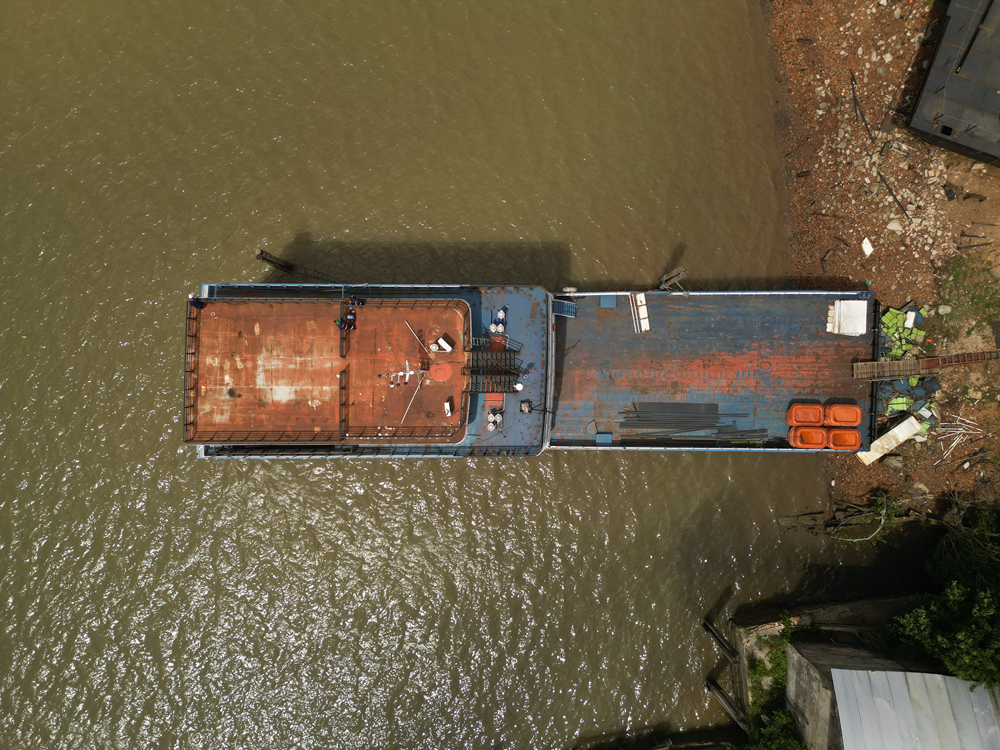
(154, 600)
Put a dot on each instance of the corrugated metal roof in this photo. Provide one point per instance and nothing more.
(904, 710)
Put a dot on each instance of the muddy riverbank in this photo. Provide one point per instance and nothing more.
(848, 76)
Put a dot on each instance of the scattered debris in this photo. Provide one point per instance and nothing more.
(896, 338)
(844, 201)
(957, 431)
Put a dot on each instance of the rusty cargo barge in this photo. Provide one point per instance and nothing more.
(320, 370)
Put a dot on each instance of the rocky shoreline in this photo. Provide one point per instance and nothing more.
(849, 74)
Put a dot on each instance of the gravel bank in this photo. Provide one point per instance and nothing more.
(849, 74)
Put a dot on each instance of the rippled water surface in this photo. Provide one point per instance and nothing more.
(153, 600)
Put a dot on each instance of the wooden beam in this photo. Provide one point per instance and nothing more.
(272, 260)
(727, 704)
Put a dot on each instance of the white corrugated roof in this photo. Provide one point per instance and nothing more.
(914, 711)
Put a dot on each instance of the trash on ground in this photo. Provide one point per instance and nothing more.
(891, 440)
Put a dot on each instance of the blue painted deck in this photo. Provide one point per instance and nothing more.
(529, 328)
(752, 353)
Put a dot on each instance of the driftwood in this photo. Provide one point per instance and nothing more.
(857, 516)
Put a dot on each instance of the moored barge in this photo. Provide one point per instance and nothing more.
(321, 370)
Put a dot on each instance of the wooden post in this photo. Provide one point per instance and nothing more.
(271, 260)
(734, 713)
(724, 645)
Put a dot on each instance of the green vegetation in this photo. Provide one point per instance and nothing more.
(771, 726)
(778, 734)
(973, 294)
(960, 627)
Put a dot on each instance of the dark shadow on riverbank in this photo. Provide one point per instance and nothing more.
(904, 99)
(657, 738)
(898, 569)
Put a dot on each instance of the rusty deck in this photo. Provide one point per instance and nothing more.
(748, 354)
(268, 371)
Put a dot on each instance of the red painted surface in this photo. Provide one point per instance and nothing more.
(271, 371)
(441, 371)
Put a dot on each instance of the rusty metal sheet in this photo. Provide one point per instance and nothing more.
(383, 346)
(278, 371)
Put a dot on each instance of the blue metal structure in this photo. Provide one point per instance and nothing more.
(575, 364)
(751, 353)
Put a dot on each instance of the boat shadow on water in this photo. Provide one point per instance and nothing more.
(381, 262)
(546, 264)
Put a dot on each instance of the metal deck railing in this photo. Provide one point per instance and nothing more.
(362, 451)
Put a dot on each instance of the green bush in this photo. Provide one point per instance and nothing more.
(771, 726)
(961, 628)
(778, 733)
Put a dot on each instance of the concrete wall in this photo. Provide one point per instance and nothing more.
(809, 694)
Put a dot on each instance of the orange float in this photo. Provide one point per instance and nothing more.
(808, 437)
(801, 415)
(843, 439)
(842, 415)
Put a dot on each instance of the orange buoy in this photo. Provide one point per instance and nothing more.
(808, 437)
(842, 415)
(800, 415)
(844, 439)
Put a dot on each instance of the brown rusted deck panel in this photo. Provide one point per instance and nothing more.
(282, 371)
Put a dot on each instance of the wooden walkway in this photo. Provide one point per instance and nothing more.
(904, 368)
